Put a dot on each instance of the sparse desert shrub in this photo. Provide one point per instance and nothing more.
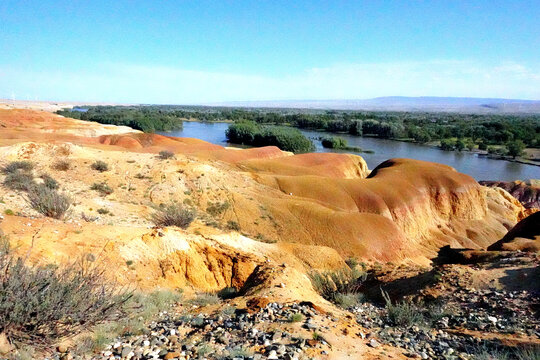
(233, 225)
(348, 300)
(15, 166)
(155, 301)
(260, 237)
(39, 304)
(48, 201)
(136, 312)
(485, 353)
(351, 262)
(164, 155)
(49, 182)
(61, 165)
(217, 208)
(228, 311)
(88, 218)
(205, 299)
(103, 188)
(102, 211)
(204, 349)
(9, 212)
(227, 293)
(343, 281)
(240, 352)
(403, 313)
(174, 215)
(528, 353)
(17, 180)
(100, 166)
(296, 317)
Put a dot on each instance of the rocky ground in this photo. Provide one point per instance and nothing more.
(449, 318)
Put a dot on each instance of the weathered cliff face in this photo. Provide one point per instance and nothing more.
(528, 194)
(404, 210)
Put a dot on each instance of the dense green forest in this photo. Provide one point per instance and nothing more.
(453, 131)
(144, 118)
(250, 133)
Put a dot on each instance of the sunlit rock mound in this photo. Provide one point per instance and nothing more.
(527, 192)
(525, 236)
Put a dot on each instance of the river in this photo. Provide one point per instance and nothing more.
(480, 168)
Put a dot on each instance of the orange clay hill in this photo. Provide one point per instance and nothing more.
(264, 217)
(403, 210)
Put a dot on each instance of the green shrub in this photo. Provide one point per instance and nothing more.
(228, 292)
(49, 182)
(204, 349)
(218, 208)
(447, 144)
(100, 166)
(17, 180)
(240, 352)
(528, 353)
(40, 304)
(334, 142)
(174, 215)
(228, 311)
(296, 317)
(15, 166)
(330, 283)
(164, 155)
(136, 312)
(103, 188)
(403, 313)
(233, 225)
(348, 300)
(351, 262)
(48, 202)
(205, 299)
(61, 165)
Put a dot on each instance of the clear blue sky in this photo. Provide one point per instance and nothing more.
(200, 51)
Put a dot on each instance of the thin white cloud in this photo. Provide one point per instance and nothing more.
(151, 84)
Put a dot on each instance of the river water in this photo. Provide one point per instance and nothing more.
(480, 168)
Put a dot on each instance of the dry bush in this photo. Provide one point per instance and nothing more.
(49, 181)
(19, 181)
(100, 166)
(338, 286)
(15, 166)
(164, 155)
(403, 313)
(61, 165)
(205, 299)
(41, 304)
(48, 201)
(103, 188)
(174, 215)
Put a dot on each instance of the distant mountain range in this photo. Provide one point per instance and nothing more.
(403, 103)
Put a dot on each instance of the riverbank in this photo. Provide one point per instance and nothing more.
(480, 168)
(431, 144)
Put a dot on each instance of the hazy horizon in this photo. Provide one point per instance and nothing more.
(182, 52)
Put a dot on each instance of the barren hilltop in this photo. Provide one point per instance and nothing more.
(190, 250)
